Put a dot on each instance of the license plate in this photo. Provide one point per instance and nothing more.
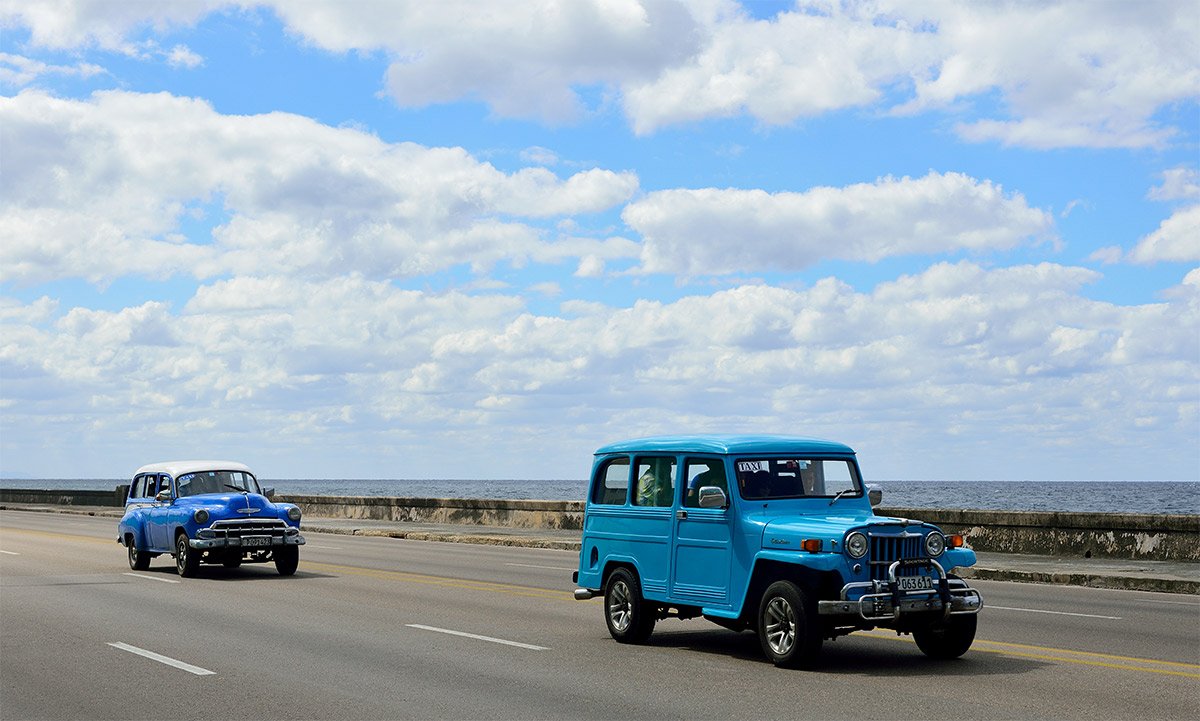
(256, 541)
(914, 583)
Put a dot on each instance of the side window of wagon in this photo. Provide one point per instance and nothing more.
(655, 481)
(612, 485)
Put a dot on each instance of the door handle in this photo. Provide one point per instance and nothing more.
(681, 514)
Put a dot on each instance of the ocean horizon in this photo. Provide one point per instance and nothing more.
(1152, 497)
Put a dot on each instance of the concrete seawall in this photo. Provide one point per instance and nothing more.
(1079, 535)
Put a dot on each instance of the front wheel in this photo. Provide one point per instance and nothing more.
(787, 626)
(187, 559)
(138, 560)
(629, 617)
(286, 559)
(949, 639)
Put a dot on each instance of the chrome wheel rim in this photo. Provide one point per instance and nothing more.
(780, 626)
(132, 555)
(620, 607)
(181, 551)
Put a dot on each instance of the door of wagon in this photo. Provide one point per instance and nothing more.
(650, 520)
(156, 518)
(702, 548)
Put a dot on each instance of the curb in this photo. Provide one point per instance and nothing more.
(1119, 583)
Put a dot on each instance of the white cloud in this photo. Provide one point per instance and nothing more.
(97, 188)
(181, 56)
(19, 71)
(1182, 183)
(977, 360)
(1065, 74)
(712, 231)
(1176, 240)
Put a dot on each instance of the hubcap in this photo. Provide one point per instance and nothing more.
(619, 606)
(181, 554)
(780, 625)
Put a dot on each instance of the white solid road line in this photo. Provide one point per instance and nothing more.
(548, 568)
(1056, 613)
(477, 637)
(10, 553)
(153, 578)
(164, 659)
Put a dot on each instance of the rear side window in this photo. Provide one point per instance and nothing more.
(655, 481)
(612, 483)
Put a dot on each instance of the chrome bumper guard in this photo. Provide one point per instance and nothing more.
(884, 601)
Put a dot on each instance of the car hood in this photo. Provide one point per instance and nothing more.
(249, 505)
(790, 531)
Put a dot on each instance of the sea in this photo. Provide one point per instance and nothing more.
(1150, 497)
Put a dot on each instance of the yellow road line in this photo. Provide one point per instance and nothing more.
(487, 586)
(67, 536)
(1064, 655)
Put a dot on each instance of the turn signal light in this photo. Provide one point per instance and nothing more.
(812, 545)
(955, 541)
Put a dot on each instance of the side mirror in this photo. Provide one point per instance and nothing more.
(712, 497)
(875, 494)
(269, 493)
(163, 496)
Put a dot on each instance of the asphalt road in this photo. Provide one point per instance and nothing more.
(380, 628)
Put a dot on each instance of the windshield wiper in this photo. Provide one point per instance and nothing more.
(239, 490)
(845, 492)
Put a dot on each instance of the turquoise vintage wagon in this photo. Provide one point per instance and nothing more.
(772, 533)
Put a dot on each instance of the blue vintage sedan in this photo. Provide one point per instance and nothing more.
(207, 512)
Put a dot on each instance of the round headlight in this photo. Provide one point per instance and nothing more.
(294, 513)
(856, 545)
(200, 516)
(935, 543)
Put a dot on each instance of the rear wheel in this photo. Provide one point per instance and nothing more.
(630, 617)
(187, 560)
(787, 626)
(138, 560)
(948, 639)
(286, 559)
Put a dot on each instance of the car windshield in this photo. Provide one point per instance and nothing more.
(194, 484)
(771, 478)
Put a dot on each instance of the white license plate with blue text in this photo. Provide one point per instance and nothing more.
(914, 583)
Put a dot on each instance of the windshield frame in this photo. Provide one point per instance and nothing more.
(741, 480)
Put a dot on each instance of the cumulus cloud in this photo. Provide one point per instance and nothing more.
(97, 189)
(1182, 183)
(1176, 240)
(19, 71)
(712, 231)
(994, 359)
(1066, 74)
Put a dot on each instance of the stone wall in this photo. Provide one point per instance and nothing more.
(1077, 535)
(1081, 535)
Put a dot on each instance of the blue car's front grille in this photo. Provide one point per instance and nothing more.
(249, 527)
(885, 549)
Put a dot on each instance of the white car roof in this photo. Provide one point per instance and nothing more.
(177, 468)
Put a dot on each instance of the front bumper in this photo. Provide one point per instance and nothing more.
(884, 601)
(290, 537)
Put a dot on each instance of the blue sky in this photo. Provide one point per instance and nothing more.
(405, 239)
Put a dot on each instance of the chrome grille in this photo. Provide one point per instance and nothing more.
(250, 527)
(886, 549)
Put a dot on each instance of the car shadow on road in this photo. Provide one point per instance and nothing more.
(858, 654)
(245, 572)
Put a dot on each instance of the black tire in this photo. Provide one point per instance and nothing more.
(949, 639)
(286, 559)
(138, 560)
(187, 559)
(630, 618)
(787, 626)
